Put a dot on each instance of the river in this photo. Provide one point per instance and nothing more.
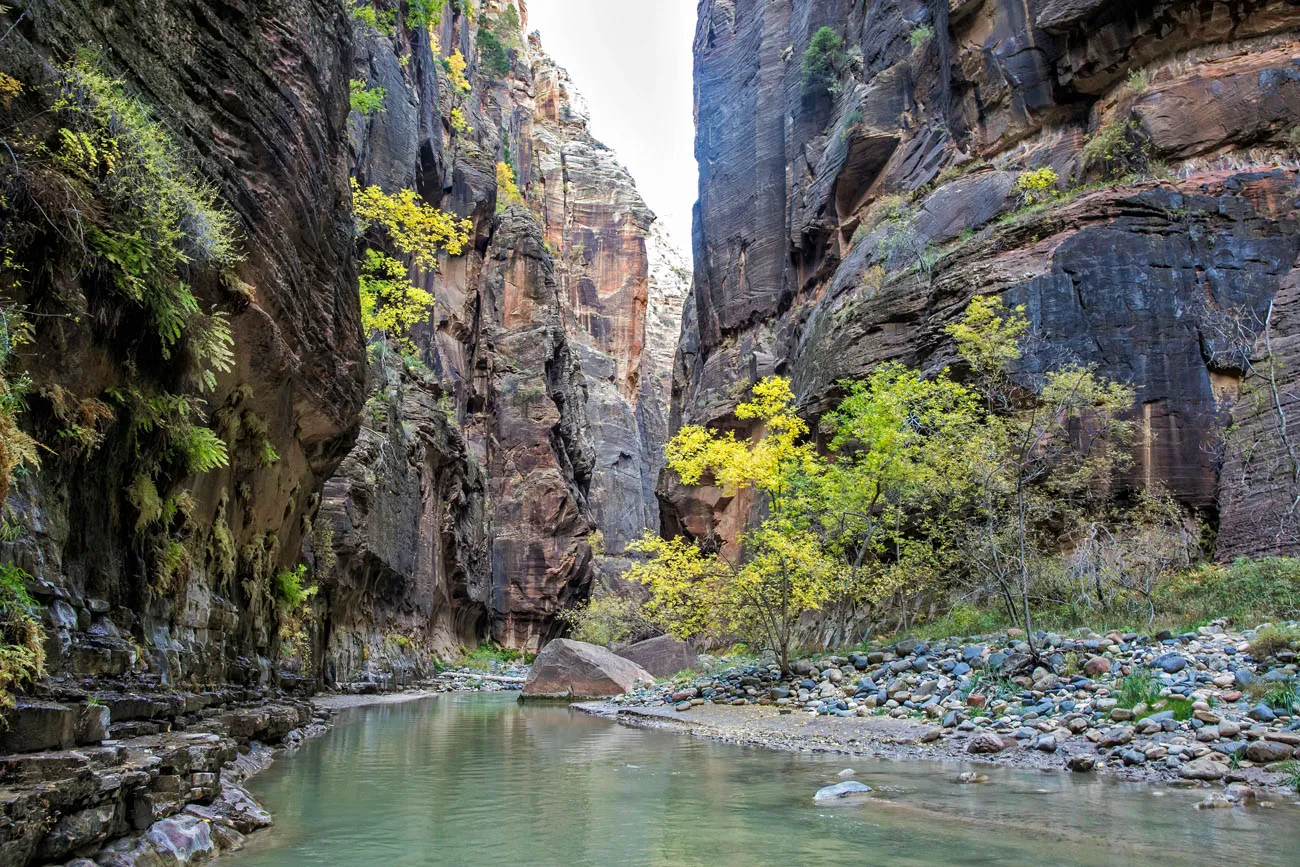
(478, 779)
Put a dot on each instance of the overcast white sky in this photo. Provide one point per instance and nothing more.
(631, 60)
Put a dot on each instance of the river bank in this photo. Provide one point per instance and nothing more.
(481, 779)
(171, 790)
(1213, 708)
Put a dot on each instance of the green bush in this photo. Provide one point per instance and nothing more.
(492, 53)
(920, 35)
(822, 61)
(423, 13)
(384, 22)
(1247, 592)
(366, 100)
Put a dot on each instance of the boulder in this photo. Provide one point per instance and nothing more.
(662, 656)
(1265, 752)
(577, 670)
(846, 789)
(39, 725)
(985, 742)
(1211, 767)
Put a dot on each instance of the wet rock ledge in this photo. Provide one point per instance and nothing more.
(164, 789)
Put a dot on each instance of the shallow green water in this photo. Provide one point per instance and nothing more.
(480, 780)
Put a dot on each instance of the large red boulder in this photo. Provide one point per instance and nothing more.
(577, 670)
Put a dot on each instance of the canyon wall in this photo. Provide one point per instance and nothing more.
(843, 223)
(550, 351)
(436, 498)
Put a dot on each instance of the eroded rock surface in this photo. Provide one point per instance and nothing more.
(839, 231)
(577, 670)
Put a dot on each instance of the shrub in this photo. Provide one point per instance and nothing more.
(507, 189)
(383, 22)
(456, 66)
(1247, 592)
(1139, 80)
(22, 640)
(1270, 640)
(485, 655)
(920, 35)
(459, 125)
(417, 229)
(366, 100)
(607, 620)
(1037, 185)
(822, 61)
(424, 13)
(390, 304)
(1115, 148)
(495, 58)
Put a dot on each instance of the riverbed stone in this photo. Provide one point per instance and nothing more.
(571, 669)
(839, 791)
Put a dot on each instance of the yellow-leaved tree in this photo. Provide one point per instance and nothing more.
(390, 303)
(783, 571)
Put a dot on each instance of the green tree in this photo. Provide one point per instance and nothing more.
(492, 53)
(822, 61)
(1048, 457)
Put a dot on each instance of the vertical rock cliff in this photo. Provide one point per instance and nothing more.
(549, 351)
(437, 498)
(844, 219)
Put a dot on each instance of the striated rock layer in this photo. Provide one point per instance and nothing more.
(548, 355)
(460, 493)
(837, 230)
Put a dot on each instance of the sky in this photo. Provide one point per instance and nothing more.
(631, 61)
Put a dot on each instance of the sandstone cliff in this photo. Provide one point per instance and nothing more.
(843, 225)
(549, 351)
(438, 499)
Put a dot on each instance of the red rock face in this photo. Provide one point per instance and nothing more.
(798, 269)
(539, 353)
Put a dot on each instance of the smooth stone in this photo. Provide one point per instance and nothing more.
(839, 791)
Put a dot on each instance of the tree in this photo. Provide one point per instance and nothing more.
(390, 303)
(899, 457)
(1048, 455)
(822, 61)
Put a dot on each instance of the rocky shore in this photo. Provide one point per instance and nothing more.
(153, 779)
(1208, 708)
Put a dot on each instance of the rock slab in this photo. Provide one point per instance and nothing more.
(662, 656)
(577, 670)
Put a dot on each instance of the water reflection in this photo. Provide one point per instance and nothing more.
(478, 779)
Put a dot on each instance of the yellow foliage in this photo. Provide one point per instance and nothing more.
(1037, 185)
(766, 463)
(686, 585)
(456, 66)
(9, 88)
(988, 336)
(507, 190)
(459, 125)
(414, 228)
(390, 304)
